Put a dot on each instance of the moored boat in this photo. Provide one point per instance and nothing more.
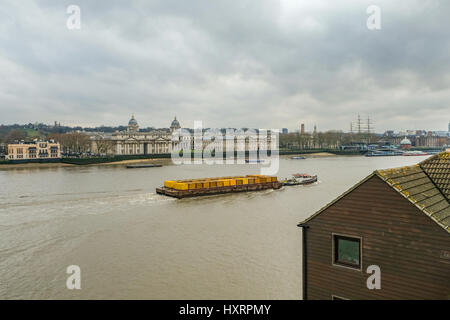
(148, 165)
(254, 160)
(298, 158)
(415, 153)
(384, 153)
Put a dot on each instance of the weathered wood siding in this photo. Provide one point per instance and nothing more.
(408, 246)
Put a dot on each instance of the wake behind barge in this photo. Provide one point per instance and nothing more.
(221, 185)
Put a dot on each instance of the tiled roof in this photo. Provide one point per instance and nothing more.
(416, 185)
(438, 169)
(426, 185)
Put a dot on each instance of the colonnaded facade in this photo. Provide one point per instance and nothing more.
(134, 142)
(161, 141)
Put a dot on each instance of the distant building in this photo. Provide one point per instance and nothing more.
(175, 125)
(397, 220)
(284, 131)
(133, 142)
(389, 133)
(247, 140)
(405, 143)
(418, 138)
(302, 128)
(34, 150)
(2, 150)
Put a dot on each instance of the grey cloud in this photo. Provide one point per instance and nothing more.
(229, 63)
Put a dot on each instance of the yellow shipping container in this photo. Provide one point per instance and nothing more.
(205, 183)
(180, 186)
(226, 183)
(244, 180)
(169, 183)
(192, 185)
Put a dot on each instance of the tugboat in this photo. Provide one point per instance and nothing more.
(254, 160)
(299, 179)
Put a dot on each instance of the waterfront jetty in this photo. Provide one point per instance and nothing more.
(220, 185)
(143, 165)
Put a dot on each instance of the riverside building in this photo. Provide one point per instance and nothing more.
(34, 150)
(387, 237)
(134, 142)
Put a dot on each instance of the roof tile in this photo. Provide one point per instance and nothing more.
(427, 185)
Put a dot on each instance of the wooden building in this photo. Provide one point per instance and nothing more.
(396, 219)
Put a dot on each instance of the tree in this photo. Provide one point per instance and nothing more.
(103, 145)
(15, 135)
(73, 142)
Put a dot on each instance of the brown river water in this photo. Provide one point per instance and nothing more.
(131, 243)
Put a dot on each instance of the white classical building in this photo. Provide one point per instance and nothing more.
(161, 141)
(134, 142)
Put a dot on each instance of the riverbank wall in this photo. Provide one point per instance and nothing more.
(119, 158)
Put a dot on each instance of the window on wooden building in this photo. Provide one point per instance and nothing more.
(347, 251)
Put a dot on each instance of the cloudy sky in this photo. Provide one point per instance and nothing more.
(229, 63)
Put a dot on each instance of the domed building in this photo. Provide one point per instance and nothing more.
(133, 142)
(174, 125)
(133, 125)
(405, 143)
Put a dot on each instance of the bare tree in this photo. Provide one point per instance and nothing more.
(15, 135)
(103, 144)
(73, 142)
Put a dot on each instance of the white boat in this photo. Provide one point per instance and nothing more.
(414, 153)
(299, 179)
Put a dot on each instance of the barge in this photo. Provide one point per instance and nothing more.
(221, 185)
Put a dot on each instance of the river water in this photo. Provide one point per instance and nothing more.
(133, 244)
